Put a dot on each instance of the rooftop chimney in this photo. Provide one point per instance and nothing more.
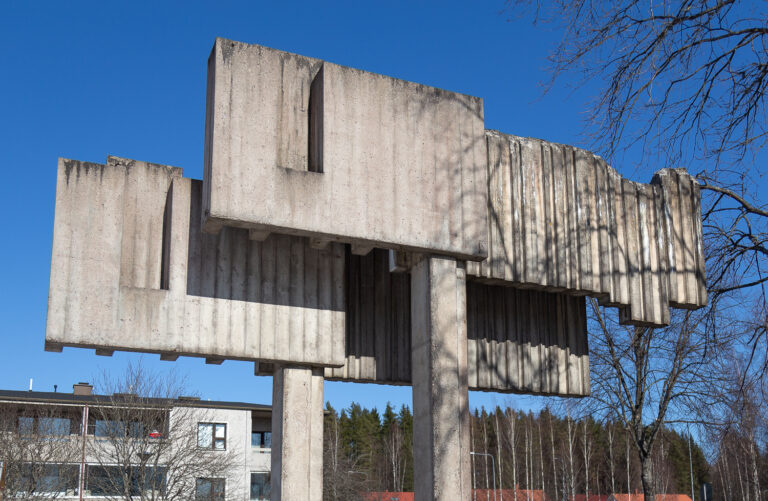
(82, 388)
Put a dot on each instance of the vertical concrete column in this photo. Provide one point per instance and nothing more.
(440, 380)
(297, 434)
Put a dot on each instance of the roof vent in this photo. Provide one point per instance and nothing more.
(82, 389)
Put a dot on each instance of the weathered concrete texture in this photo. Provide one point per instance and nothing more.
(680, 191)
(526, 341)
(561, 219)
(297, 434)
(441, 432)
(378, 326)
(132, 270)
(343, 154)
(519, 341)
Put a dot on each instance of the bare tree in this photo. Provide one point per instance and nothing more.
(39, 452)
(686, 79)
(511, 436)
(554, 461)
(343, 477)
(649, 378)
(497, 432)
(541, 456)
(626, 456)
(742, 434)
(611, 463)
(571, 439)
(586, 444)
(146, 444)
(395, 453)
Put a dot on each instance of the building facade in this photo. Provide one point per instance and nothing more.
(84, 446)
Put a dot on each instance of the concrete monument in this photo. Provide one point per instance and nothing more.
(356, 227)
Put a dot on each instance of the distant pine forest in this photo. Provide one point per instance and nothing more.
(366, 450)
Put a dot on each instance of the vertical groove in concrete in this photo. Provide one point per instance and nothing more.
(518, 340)
(378, 321)
(568, 222)
(681, 222)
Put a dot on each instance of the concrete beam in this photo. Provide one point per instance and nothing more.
(169, 357)
(258, 235)
(297, 434)
(361, 250)
(53, 347)
(105, 353)
(319, 243)
(214, 360)
(263, 369)
(399, 261)
(440, 380)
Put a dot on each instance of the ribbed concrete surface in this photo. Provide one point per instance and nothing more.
(394, 164)
(526, 341)
(378, 327)
(687, 287)
(518, 340)
(561, 219)
(131, 270)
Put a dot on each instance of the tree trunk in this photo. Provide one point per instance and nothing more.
(498, 448)
(755, 474)
(541, 457)
(610, 458)
(570, 459)
(554, 463)
(512, 417)
(629, 487)
(485, 455)
(646, 475)
(527, 456)
(586, 460)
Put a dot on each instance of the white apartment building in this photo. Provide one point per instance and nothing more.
(68, 430)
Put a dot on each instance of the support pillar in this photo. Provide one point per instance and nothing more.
(297, 434)
(440, 380)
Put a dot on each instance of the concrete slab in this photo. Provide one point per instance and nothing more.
(335, 152)
(560, 219)
(132, 270)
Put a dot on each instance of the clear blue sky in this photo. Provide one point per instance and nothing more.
(85, 80)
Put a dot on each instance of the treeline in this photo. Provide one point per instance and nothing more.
(740, 471)
(370, 451)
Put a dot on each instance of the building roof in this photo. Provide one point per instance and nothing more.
(44, 397)
(591, 497)
(498, 495)
(641, 497)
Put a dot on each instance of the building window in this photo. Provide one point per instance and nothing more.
(260, 486)
(101, 424)
(44, 426)
(108, 428)
(110, 480)
(209, 489)
(212, 436)
(43, 479)
(261, 439)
